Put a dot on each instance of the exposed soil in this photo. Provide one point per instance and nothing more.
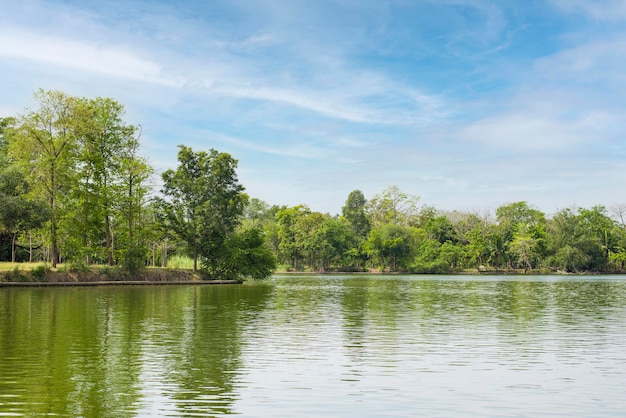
(107, 276)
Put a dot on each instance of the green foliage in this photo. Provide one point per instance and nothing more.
(44, 142)
(72, 166)
(40, 273)
(133, 259)
(354, 212)
(582, 240)
(391, 245)
(205, 203)
(180, 262)
(392, 206)
(19, 210)
(77, 265)
(244, 254)
(290, 234)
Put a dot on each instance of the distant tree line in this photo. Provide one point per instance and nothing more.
(391, 232)
(74, 188)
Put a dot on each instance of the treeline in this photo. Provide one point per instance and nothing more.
(391, 232)
(74, 188)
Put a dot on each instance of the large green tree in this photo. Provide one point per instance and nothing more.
(205, 202)
(291, 243)
(392, 206)
(354, 211)
(44, 141)
(106, 145)
(135, 229)
(521, 230)
(19, 211)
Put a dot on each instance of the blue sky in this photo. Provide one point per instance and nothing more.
(469, 104)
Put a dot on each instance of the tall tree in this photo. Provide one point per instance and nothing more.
(520, 229)
(354, 212)
(291, 245)
(205, 202)
(392, 206)
(5, 125)
(134, 228)
(106, 143)
(44, 141)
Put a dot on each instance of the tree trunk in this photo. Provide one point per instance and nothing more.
(108, 239)
(54, 250)
(13, 239)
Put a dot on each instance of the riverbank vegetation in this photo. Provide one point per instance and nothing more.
(75, 189)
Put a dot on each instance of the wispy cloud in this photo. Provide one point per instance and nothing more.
(599, 60)
(85, 56)
(438, 96)
(534, 131)
(603, 10)
(305, 151)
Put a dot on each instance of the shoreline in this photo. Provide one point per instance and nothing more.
(120, 283)
(106, 277)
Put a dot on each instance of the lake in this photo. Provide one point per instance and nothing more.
(302, 346)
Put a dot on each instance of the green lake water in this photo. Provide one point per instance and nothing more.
(328, 346)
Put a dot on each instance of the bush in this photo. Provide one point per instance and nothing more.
(40, 273)
(75, 266)
(133, 260)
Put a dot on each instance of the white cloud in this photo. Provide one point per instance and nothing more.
(530, 131)
(601, 60)
(114, 61)
(306, 151)
(607, 10)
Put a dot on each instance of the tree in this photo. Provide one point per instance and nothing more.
(391, 244)
(521, 230)
(5, 125)
(331, 241)
(354, 213)
(205, 201)
(583, 239)
(526, 245)
(134, 229)
(18, 212)
(291, 246)
(108, 149)
(392, 206)
(246, 254)
(44, 141)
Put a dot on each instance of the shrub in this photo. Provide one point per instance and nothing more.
(40, 273)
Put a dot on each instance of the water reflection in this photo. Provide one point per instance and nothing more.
(122, 352)
(321, 345)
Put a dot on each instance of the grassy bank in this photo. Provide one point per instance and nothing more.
(42, 273)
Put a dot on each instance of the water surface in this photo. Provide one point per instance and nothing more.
(301, 346)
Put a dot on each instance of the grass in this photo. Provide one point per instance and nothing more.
(8, 266)
(174, 262)
(180, 262)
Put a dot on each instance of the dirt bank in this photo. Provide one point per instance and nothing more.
(104, 276)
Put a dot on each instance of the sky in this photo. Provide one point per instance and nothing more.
(468, 104)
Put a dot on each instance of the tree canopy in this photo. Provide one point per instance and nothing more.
(204, 206)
